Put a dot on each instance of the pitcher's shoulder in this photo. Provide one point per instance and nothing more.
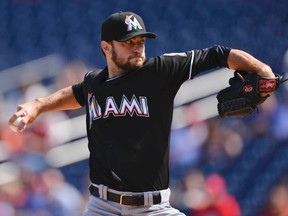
(93, 73)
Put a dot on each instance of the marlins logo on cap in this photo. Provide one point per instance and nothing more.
(132, 24)
(122, 26)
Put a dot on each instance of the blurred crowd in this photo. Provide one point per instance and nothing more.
(209, 161)
(233, 166)
(29, 185)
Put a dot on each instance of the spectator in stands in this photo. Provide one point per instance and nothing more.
(186, 145)
(194, 194)
(278, 200)
(223, 144)
(68, 197)
(6, 207)
(219, 202)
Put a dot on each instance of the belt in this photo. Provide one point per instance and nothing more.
(125, 199)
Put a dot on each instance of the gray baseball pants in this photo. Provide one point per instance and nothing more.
(102, 207)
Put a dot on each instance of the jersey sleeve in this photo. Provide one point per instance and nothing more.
(80, 89)
(78, 93)
(209, 58)
(176, 68)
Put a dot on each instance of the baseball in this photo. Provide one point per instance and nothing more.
(16, 124)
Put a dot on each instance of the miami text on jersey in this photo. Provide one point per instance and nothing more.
(138, 106)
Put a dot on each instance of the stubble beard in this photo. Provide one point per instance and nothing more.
(127, 65)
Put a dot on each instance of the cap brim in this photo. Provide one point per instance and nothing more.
(150, 35)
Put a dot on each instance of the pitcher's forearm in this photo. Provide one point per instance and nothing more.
(240, 60)
(60, 100)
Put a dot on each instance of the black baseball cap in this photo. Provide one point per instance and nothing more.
(122, 26)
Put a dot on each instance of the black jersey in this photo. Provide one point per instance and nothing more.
(129, 118)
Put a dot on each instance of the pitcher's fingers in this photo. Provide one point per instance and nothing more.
(15, 116)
